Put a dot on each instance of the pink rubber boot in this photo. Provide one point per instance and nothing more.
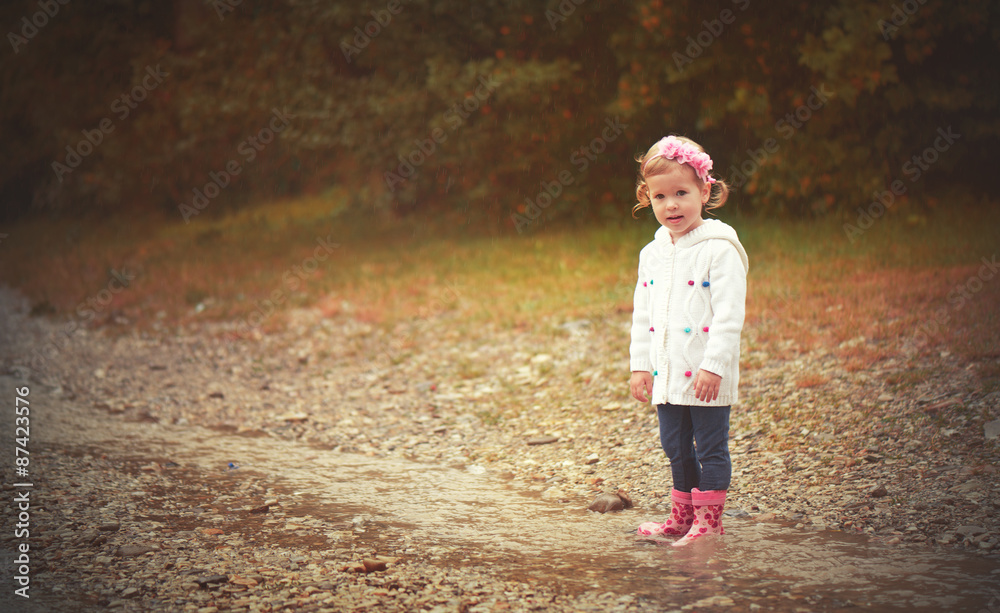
(681, 515)
(707, 515)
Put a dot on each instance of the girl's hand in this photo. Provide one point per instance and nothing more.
(706, 386)
(641, 385)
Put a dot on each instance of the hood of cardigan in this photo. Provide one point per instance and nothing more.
(710, 228)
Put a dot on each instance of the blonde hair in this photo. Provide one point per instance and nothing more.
(659, 165)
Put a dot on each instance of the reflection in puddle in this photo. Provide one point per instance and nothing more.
(472, 517)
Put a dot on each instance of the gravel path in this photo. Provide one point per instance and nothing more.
(543, 408)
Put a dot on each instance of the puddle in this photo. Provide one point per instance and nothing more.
(478, 517)
(467, 516)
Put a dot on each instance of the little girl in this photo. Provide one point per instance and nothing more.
(685, 350)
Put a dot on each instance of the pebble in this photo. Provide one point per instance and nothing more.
(828, 477)
(991, 430)
(129, 551)
(878, 491)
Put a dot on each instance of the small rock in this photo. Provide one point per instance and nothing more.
(211, 579)
(264, 508)
(355, 567)
(88, 536)
(130, 592)
(244, 581)
(216, 395)
(293, 417)
(542, 440)
(944, 404)
(109, 527)
(970, 530)
(593, 459)
(611, 502)
(372, 565)
(714, 601)
(992, 429)
(131, 551)
(878, 491)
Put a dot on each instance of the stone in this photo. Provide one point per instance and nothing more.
(542, 440)
(611, 502)
(878, 491)
(970, 530)
(991, 430)
(244, 581)
(944, 404)
(130, 592)
(355, 567)
(211, 580)
(131, 551)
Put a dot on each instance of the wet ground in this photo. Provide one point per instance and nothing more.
(465, 516)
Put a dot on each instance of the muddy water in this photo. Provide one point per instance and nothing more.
(467, 515)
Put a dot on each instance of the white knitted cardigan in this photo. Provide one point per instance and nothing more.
(689, 308)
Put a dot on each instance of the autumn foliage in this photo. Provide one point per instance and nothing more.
(478, 109)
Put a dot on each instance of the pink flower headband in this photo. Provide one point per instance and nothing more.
(672, 148)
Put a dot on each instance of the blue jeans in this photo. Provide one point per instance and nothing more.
(708, 467)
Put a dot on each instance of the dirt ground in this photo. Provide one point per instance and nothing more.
(154, 465)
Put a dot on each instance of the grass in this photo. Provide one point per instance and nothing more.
(809, 285)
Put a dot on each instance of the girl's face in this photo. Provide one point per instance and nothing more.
(677, 197)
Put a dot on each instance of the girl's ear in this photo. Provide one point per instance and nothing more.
(706, 192)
